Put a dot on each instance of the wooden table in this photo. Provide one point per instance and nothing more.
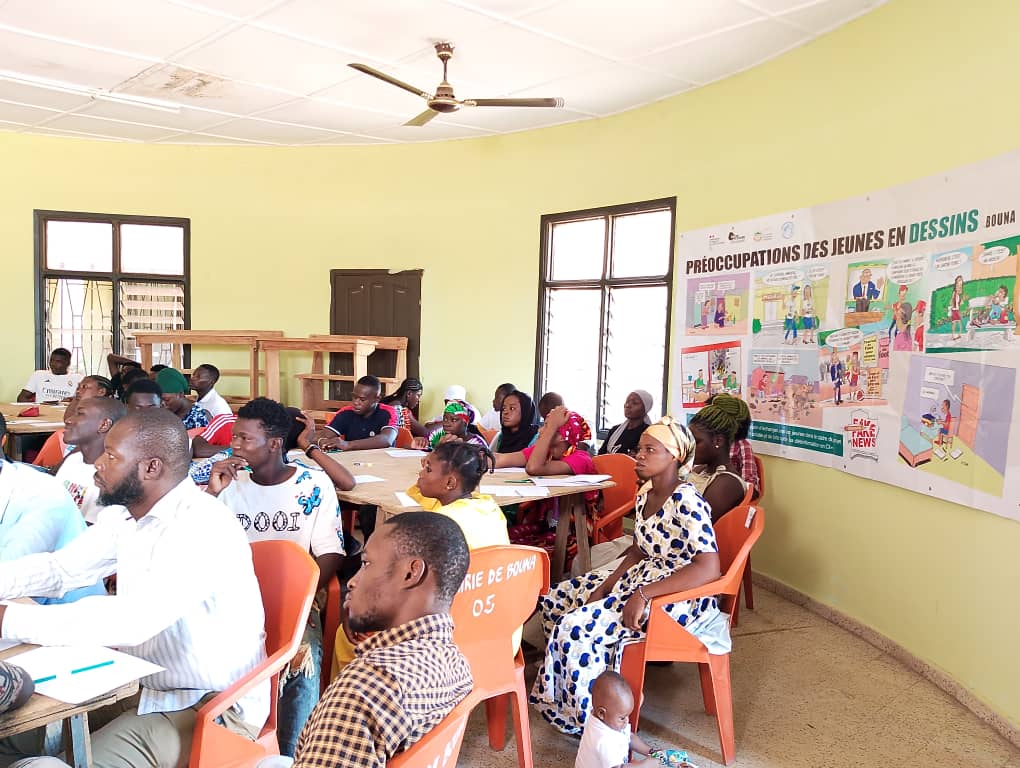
(49, 420)
(43, 712)
(401, 473)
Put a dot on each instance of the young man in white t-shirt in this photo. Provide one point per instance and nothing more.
(203, 381)
(86, 424)
(274, 500)
(53, 385)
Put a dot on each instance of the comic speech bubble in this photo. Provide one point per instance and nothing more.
(994, 255)
(907, 270)
(845, 337)
(699, 297)
(726, 285)
(784, 277)
(817, 272)
(927, 393)
(934, 375)
(789, 358)
(950, 260)
(706, 286)
(764, 358)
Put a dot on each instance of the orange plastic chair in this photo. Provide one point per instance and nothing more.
(195, 432)
(748, 578)
(404, 438)
(510, 579)
(330, 625)
(52, 450)
(440, 747)
(488, 434)
(287, 578)
(618, 501)
(666, 640)
(745, 575)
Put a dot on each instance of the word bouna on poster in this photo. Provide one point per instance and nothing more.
(876, 335)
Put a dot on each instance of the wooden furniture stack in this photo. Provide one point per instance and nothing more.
(270, 344)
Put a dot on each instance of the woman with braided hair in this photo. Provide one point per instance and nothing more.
(714, 427)
(587, 620)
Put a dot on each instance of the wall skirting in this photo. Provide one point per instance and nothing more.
(931, 673)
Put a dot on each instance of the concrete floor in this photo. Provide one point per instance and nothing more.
(807, 694)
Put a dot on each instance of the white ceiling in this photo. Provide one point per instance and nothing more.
(274, 71)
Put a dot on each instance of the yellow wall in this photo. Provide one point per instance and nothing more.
(913, 88)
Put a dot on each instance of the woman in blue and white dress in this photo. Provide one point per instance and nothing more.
(587, 620)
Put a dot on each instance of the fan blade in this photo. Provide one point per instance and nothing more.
(513, 102)
(423, 118)
(365, 69)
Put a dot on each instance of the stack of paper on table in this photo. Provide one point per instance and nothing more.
(523, 491)
(404, 453)
(570, 480)
(74, 674)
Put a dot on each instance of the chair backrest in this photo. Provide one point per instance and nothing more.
(195, 432)
(498, 595)
(287, 578)
(488, 434)
(735, 534)
(52, 450)
(440, 747)
(761, 476)
(404, 438)
(621, 467)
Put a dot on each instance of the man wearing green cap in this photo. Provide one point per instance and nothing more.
(175, 390)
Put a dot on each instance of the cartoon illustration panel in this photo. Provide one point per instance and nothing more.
(956, 421)
(789, 306)
(708, 370)
(973, 297)
(718, 305)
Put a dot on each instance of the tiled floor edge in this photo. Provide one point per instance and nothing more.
(931, 673)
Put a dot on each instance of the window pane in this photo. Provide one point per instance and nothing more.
(79, 316)
(577, 248)
(149, 307)
(152, 249)
(79, 246)
(635, 349)
(572, 347)
(641, 246)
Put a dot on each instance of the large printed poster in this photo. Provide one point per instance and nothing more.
(876, 335)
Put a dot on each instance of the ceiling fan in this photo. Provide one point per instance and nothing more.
(444, 101)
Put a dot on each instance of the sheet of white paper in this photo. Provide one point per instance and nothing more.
(5, 644)
(498, 490)
(405, 500)
(509, 470)
(362, 479)
(531, 491)
(87, 683)
(551, 482)
(404, 453)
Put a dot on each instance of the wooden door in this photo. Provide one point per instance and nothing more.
(375, 302)
(970, 412)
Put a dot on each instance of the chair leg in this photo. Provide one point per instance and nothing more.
(632, 667)
(735, 611)
(522, 728)
(719, 679)
(748, 586)
(495, 718)
(707, 689)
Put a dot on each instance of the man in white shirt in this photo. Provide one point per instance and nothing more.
(37, 515)
(491, 420)
(187, 597)
(203, 381)
(53, 385)
(275, 500)
(86, 424)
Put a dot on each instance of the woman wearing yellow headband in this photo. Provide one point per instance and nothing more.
(585, 619)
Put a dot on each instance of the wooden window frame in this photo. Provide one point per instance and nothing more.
(116, 276)
(604, 283)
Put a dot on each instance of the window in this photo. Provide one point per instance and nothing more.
(102, 279)
(604, 307)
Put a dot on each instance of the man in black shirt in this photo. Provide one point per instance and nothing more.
(365, 424)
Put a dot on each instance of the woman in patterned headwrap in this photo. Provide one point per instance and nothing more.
(555, 451)
(586, 620)
(458, 424)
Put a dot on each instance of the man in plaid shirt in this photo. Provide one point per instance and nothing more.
(409, 675)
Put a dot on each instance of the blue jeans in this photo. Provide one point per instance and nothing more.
(300, 694)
